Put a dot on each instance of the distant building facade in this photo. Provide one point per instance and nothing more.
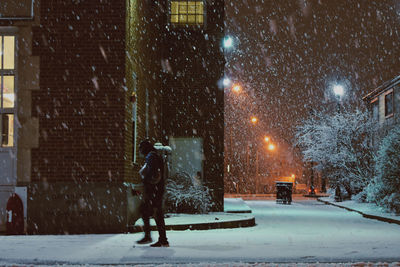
(70, 127)
(384, 104)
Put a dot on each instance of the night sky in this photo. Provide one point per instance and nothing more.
(289, 53)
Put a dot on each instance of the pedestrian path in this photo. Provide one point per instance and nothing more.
(367, 210)
(236, 214)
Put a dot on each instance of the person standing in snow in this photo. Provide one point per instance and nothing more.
(153, 181)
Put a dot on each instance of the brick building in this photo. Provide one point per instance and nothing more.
(70, 139)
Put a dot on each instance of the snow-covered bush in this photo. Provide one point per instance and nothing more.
(341, 146)
(183, 196)
(360, 197)
(384, 190)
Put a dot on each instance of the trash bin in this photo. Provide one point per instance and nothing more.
(284, 192)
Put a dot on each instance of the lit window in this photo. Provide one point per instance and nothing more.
(187, 12)
(7, 89)
(389, 104)
(7, 130)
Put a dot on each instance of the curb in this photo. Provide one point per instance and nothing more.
(315, 196)
(238, 211)
(365, 215)
(246, 222)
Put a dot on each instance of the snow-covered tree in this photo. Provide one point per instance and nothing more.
(341, 146)
(384, 190)
(185, 196)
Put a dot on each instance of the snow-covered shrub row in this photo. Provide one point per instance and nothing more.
(384, 190)
(182, 195)
(340, 146)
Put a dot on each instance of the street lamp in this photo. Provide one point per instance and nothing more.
(228, 42)
(271, 147)
(226, 82)
(254, 120)
(236, 88)
(338, 90)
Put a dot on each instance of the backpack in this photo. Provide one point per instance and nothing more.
(157, 176)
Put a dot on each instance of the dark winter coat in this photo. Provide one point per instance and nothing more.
(152, 171)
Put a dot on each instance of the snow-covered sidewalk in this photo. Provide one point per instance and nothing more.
(305, 233)
(236, 214)
(368, 210)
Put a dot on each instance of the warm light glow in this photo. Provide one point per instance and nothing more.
(187, 12)
(237, 88)
(271, 147)
(254, 120)
(8, 52)
(266, 139)
(293, 176)
(338, 90)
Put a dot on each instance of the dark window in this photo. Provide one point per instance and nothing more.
(389, 104)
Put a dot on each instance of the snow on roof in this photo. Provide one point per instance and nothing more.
(385, 86)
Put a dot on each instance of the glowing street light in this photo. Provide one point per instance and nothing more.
(266, 139)
(254, 120)
(271, 147)
(237, 88)
(226, 82)
(338, 90)
(228, 42)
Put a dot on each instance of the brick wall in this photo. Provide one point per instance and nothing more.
(82, 98)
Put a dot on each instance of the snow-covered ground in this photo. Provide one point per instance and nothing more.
(367, 208)
(306, 231)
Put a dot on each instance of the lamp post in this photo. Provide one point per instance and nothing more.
(228, 42)
(257, 140)
(338, 90)
(235, 90)
(253, 121)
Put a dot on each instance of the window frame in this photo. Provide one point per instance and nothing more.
(187, 24)
(9, 31)
(388, 115)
